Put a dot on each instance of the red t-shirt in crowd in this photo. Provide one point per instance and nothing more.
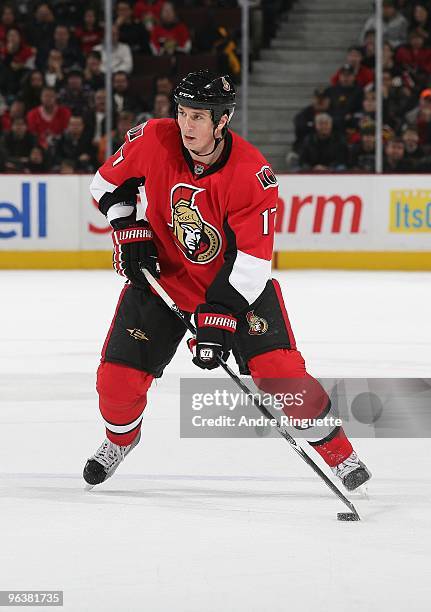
(22, 56)
(87, 40)
(420, 58)
(364, 76)
(44, 127)
(178, 36)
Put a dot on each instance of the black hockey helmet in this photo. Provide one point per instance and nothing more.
(206, 90)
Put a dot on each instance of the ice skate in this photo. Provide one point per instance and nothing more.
(352, 472)
(105, 461)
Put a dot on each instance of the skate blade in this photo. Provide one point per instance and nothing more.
(88, 487)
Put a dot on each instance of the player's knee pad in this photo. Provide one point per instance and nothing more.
(121, 384)
(277, 364)
(283, 374)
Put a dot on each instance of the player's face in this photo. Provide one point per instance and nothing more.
(196, 129)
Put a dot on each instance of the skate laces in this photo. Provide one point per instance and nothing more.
(348, 465)
(109, 453)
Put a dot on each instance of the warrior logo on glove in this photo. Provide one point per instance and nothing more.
(198, 240)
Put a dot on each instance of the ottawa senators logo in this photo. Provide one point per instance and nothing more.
(267, 177)
(198, 240)
(258, 326)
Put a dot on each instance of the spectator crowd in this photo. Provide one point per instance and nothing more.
(336, 132)
(52, 74)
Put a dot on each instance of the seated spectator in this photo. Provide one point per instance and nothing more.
(31, 90)
(95, 119)
(161, 109)
(90, 33)
(7, 21)
(130, 31)
(67, 166)
(75, 93)
(70, 12)
(18, 59)
(363, 75)
(421, 21)
(40, 27)
(17, 145)
(324, 150)
(420, 117)
(124, 124)
(346, 97)
(367, 114)
(163, 84)
(171, 35)
(389, 61)
(414, 153)
(16, 51)
(148, 12)
(37, 163)
(394, 25)
(414, 55)
(368, 50)
(362, 153)
(68, 47)
(122, 58)
(304, 120)
(75, 144)
(397, 100)
(49, 120)
(93, 75)
(123, 99)
(54, 72)
(16, 110)
(394, 160)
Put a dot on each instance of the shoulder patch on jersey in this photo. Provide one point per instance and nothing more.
(136, 132)
(267, 177)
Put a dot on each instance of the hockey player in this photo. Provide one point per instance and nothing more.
(209, 200)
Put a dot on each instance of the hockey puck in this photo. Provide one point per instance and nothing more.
(347, 516)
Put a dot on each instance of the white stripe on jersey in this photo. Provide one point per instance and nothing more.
(249, 275)
(99, 186)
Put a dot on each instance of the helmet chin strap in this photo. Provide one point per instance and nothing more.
(217, 141)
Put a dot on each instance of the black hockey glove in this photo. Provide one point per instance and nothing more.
(134, 250)
(215, 328)
(119, 206)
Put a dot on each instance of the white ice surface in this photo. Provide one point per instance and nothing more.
(206, 525)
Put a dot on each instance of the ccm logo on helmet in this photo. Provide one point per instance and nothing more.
(266, 177)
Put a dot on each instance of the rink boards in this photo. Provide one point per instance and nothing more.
(322, 221)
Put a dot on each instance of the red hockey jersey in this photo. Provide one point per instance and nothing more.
(213, 226)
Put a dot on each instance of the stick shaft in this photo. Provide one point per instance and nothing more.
(281, 430)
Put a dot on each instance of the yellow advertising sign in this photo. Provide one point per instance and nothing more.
(410, 211)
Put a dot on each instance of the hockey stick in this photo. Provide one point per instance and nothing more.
(281, 430)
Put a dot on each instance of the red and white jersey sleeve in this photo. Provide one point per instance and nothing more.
(249, 229)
